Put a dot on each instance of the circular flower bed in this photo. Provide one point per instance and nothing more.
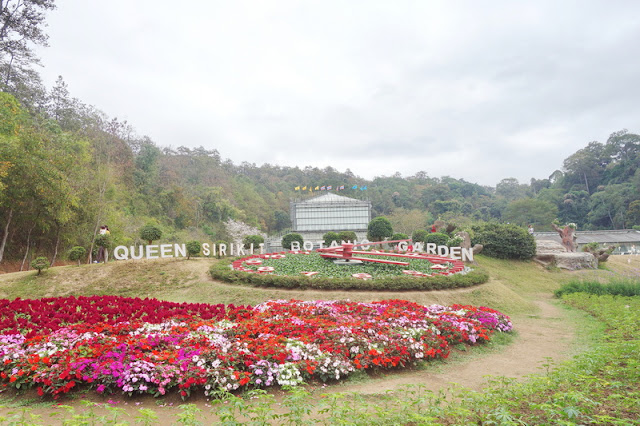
(188, 347)
(295, 263)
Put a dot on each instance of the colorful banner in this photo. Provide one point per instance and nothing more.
(311, 188)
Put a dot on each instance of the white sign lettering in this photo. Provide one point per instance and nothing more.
(154, 251)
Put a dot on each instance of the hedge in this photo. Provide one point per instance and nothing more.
(222, 271)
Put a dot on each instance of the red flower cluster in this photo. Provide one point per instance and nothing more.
(194, 346)
(42, 316)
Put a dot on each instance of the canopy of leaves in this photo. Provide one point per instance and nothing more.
(150, 233)
(290, 238)
(504, 241)
(379, 228)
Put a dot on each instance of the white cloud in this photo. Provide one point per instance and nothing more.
(470, 90)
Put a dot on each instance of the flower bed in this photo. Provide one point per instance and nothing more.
(295, 263)
(310, 270)
(274, 343)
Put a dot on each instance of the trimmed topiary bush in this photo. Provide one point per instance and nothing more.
(399, 236)
(504, 241)
(379, 228)
(256, 240)
(289, 238)
(77, 253)
(347, 236)
(193, 248)
(437, 238)
(330, 237)
(103, 240)
(150, 233)
(419, 235)
(40, 263)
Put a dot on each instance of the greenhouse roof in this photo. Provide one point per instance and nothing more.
(331, 198)
(601, 237)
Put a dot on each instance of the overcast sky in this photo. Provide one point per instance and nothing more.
(475, 90)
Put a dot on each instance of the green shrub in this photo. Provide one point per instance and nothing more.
(193, 248)
(590, 247)
(289, 238)
(150, 233)
(379, 228)
(256, 240)
(347, 236)
(399, 236)
(455, 241)
(437, 238)
(103, 240)
(40, 263)
(330, 237)
(616, 287)
(77, 253)
(504, 241)
(419, 235)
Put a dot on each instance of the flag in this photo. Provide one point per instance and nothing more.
(329, 188)
(341, 187)
(322, 188)
(363, 188)
(355, 187)
(317, 188)
(297, 188)
(304, 188)
(310, 189)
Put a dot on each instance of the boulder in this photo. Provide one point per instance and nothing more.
(552, 253)
(466, 240)
(549, 246)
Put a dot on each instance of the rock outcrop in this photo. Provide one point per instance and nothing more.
(551, 253)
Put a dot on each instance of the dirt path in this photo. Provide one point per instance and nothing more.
(541, 338)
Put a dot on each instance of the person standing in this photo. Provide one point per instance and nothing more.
(102, 251)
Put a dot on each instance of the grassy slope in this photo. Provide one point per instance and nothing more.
(510, 288)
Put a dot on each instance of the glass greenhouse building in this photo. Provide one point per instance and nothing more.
(330, 212)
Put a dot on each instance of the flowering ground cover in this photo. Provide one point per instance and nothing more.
(148, 346)
(312, 264)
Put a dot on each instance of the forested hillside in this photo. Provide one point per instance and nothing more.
(66, 168)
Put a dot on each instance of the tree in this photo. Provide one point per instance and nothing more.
(150, 233)
(46, 166)
(407, 221)
(290, 238)
(77, 253)
(347, 236)
(633, 213)
(586, 166)
(256, 240)
(511, 189)
(282, 220)
(40, 263)
(530, 211)
(419, 236)
(193, 248)
(608, 208)
(330, 237)
(379, 228)
(21, 25)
